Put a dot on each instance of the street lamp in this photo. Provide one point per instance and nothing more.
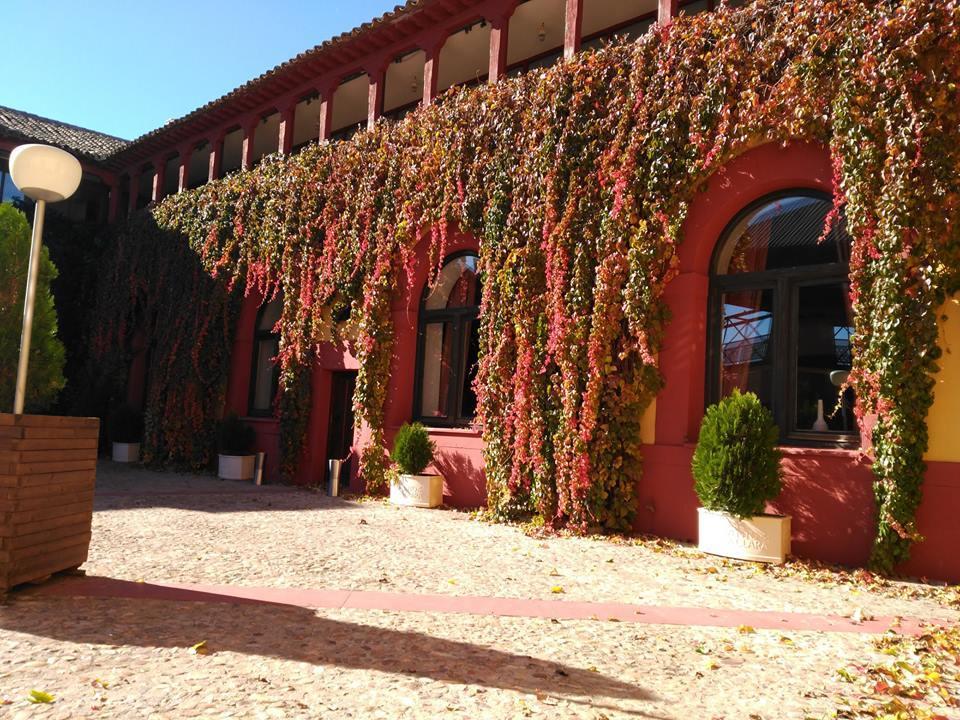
(44, 174)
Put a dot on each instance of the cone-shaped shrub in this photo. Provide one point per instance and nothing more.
(736, 466)
(413, 449)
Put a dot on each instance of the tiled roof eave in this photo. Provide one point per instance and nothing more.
(315, 62)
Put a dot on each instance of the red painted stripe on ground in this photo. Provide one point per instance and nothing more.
(474, 605)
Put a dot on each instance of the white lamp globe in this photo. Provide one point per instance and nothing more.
(43, 172)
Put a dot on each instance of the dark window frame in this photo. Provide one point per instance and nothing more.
(260, 336)
(785, 284)
(459, 317)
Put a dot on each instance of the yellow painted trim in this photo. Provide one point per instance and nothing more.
(648, 424)
(943, 420)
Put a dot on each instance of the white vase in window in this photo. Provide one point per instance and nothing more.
(820, 425)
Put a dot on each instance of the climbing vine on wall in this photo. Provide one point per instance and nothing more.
(155, 304)
(576, 180)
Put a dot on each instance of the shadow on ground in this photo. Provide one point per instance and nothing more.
(124, 487)
(298, 634)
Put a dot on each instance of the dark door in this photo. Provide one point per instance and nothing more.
(340, 437)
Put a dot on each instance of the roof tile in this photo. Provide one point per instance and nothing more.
(89, 143)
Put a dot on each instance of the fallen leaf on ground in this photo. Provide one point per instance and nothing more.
(39, 696)
(200, 648)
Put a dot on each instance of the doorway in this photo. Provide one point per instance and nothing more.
(340, 434)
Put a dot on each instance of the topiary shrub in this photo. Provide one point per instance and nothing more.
(413, 449)
(736, 466)
(126, 424)
(234, 436)
(47, 356)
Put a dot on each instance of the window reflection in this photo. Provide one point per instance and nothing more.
(449, 348)
(785, 321)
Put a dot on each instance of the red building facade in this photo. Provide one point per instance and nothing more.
(740, 316)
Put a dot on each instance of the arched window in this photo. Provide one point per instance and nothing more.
(448, 345)
(780, 316)
(265, 374)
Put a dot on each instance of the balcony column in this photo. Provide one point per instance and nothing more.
(159, 179)
(113, 204)
(499, 42)
(134, 192)
(378, 76)
(666, 11)
(183, 169)
(287, 115)
(215, 166)
(246, 152)
(326, 110)
(431, 68)
(573, 21)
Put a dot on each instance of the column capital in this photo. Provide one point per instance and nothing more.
(326, 87)
(500, 13)
(376, 67)
(286, 104)
(433, 43)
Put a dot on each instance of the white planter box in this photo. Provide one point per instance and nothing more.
(126, 452)
(236, 467)
(417, 491)
(764, 538)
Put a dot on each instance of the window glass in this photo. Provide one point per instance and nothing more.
(471, 353)
(449, 345)
(8, 191)
(266, 346)
(825, 324)
(270, 316)
(437, 368)
(782, 303)
(784, 233)
(264, 382)
(457, 286)
(747, 343)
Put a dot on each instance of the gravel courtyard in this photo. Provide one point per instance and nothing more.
(136, 657)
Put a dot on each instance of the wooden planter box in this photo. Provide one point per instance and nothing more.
(48, 468)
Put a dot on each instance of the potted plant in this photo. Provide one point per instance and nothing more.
(736, 468)
(235, 439)
(126, 431)
(412, 451)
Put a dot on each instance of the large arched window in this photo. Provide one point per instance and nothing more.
(780, 316)
(265, 375)
(448, 345)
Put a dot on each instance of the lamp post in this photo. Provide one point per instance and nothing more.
(44, 174)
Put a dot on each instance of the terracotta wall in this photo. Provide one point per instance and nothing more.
(827, 491)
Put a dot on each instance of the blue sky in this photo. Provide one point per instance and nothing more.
(125, 67)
